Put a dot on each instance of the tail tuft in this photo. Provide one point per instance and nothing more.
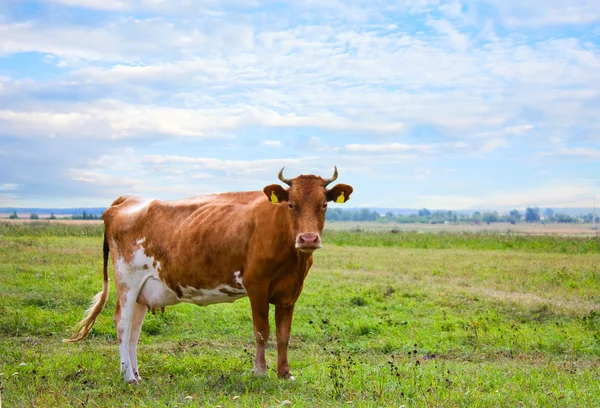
(83, 327)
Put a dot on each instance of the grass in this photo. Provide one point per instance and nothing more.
(467, 240)
(385, 319)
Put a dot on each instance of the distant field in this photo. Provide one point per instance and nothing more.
(46, 220)
(447, 320)
(521, 228)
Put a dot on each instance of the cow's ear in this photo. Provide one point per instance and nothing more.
(275, 193)
(340, 193)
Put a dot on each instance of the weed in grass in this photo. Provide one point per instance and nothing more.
(389, 291)
(358, 301)
(474, 326)
(592, 320)
(341, 369)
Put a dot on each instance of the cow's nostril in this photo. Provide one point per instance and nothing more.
(309, 238)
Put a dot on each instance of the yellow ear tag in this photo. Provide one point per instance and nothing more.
(274, 197)
(341, 199)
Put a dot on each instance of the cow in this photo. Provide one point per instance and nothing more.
(213, 249)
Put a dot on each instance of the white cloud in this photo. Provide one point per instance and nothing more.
(126, 40)
(388, 147)
(99, 179)
(164, 6)
(459, 40)
(8, 200)
(518, 129)
(452, 9)
(573, 153)
(112, 119)
(272, 143)
(557, 194)
(493, 144)
(159, 162)
(92, 4)
(8, 186)
(115, 119)
(546, 12)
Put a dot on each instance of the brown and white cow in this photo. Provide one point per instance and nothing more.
(213, 249)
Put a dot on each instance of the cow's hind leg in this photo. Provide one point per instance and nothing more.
(139, 313)
(154, 295)
(124, 323)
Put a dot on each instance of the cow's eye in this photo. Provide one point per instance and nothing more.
(291, 206)
(325, 205)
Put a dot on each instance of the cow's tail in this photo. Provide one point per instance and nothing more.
(83, 327)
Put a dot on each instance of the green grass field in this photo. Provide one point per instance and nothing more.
(435, 319)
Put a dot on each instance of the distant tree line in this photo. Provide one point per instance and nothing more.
(87, 216)
(425, 216)
(337, 214)
(83, 216)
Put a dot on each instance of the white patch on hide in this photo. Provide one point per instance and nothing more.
(140, 259)
(238, 278)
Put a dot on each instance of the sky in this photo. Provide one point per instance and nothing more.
(419, 103)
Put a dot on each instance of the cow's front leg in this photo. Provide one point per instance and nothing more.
(260, 317)
(283, 321)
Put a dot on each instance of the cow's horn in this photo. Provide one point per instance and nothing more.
(333, 178)
(286, 181)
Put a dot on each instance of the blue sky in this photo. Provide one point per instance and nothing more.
(420, 103)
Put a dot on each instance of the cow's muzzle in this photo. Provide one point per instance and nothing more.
(308, 242)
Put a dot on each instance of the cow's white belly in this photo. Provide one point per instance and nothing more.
(219, 294)
(156, 294)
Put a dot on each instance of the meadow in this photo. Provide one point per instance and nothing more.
(445, 319)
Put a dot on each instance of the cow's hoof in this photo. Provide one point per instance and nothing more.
(286, 376)
(260, 371)
(132, 379)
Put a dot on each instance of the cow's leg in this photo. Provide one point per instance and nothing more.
(260, 317)
(283, 321)
(139, 312)
(124, 321)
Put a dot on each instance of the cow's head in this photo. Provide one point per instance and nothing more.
(307, 199)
